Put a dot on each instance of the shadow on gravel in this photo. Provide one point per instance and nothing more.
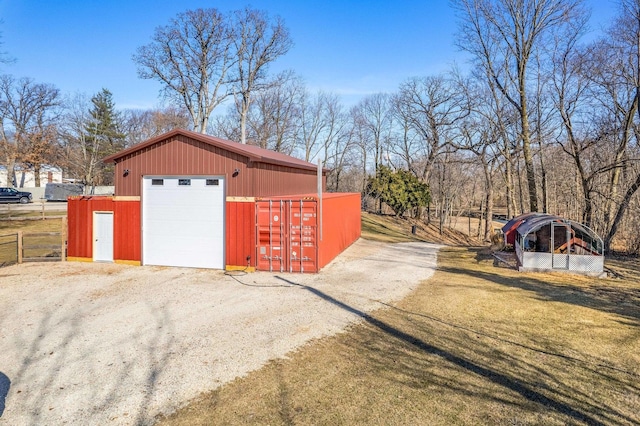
(5, 384)
(490, 374)
(47, 364)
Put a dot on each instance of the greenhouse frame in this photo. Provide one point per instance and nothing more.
(544, 242)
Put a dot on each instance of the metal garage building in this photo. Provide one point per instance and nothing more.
(188, 199)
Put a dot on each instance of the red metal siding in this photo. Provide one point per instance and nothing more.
(341, 224)
(79, 228)
(126, 230)
(181, 155)
(240, 233)
(126, 216)
(270, 180)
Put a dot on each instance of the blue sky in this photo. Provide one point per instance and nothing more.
(352, 48)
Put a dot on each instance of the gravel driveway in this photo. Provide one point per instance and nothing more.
(88, 343)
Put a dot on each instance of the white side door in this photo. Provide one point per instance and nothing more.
(103, 236)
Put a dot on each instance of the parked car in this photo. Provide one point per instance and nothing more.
(12, 195)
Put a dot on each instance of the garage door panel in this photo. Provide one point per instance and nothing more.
(183, 225)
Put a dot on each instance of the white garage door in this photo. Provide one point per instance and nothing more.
(183, 221)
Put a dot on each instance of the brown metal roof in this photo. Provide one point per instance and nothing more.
(254, 153)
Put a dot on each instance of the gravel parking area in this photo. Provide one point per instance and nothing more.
(88, 343)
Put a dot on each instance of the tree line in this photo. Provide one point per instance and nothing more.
(544, 117)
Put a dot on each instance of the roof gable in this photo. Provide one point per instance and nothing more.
(253, 153)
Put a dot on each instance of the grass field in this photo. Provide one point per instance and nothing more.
(475, 344)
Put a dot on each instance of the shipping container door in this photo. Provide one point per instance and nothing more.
(303, 244)
(103, 236)
(183, 221)
(270, 234)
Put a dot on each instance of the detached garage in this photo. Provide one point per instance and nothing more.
(196, 199)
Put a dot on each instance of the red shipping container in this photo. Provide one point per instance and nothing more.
(295, 235)
(286, 235)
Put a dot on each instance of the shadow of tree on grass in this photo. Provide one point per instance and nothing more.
(600, 294)
(567, 401)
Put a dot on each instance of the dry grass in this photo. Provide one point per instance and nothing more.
(475, 344)
(392, 229)
(8, 246)
(31, 225)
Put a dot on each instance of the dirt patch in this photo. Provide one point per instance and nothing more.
(121, 344)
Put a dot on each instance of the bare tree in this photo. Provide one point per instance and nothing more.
(502, 35)
(258, 41)
(274, 114)
(40, 148)
(431, 106)
(78, 158)
(273, 119)
(362, 140)
(571, 96)
(191, 57)
(481, 134)
(25, 109)
(140, 125)
(376, 116)
(341, 157)
(317, 125)
(615, 70)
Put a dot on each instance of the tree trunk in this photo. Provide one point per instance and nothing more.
(528, 158)
(480, 218)
(521, 192)
(488, 230)
(620, 213)
(545, 192)
(243, 118)
(614, 182)
(11, 172)
(36, 175)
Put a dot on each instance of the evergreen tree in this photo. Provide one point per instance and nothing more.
(103, 137)
(400, 190)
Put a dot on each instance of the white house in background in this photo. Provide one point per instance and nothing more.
(25, 178)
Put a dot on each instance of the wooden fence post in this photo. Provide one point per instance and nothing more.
(19, 244)
(42, 202)
(63, 237)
